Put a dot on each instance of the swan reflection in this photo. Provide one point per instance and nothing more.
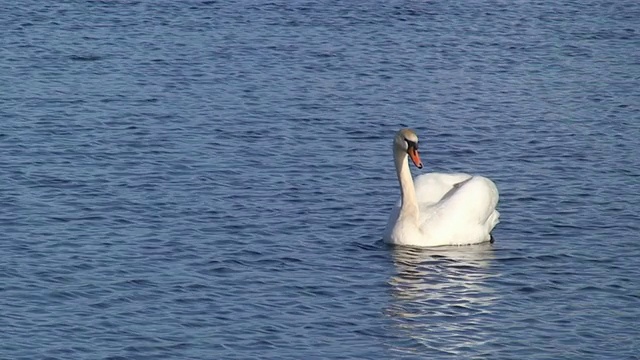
(440, 298)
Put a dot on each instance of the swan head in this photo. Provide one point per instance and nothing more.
(406, 141)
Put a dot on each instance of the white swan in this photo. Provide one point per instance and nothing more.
(441, 209)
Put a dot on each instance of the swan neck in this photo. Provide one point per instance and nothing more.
(409, 205)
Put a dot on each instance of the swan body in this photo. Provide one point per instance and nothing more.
(439, 209)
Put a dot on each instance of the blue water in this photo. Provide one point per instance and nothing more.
(210, 179)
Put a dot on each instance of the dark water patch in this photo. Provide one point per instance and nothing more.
(87, 57)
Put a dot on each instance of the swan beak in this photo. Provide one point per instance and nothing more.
(415, 157)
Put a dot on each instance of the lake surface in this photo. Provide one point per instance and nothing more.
(210, 179)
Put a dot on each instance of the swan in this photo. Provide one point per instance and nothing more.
(438, 209)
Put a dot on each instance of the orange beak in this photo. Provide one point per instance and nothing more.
(415, 157)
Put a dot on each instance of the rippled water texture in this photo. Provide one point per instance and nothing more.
(210, 180)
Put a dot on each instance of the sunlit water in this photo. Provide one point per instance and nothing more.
(209, 180)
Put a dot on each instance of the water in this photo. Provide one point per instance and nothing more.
(204, 180)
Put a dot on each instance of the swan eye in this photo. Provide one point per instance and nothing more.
(411, 144)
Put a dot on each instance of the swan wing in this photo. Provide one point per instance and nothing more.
(432, 187)
(465, 214)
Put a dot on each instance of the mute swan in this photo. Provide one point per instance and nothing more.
(440, 209)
